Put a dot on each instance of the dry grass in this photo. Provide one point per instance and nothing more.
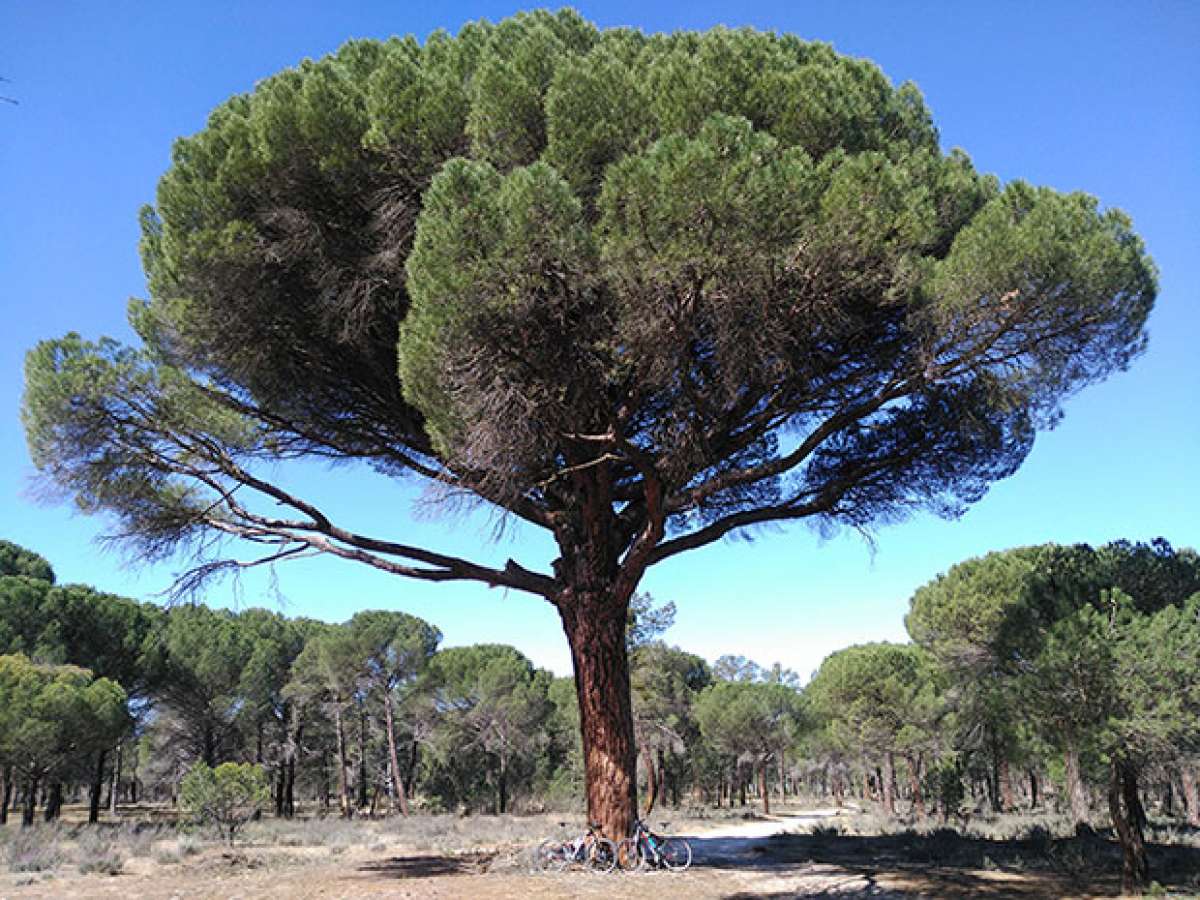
(37, 849)
(1039, 847)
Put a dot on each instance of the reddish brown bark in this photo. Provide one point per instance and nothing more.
(1076, 792)
(889, 784)
(1191, 793)
(651, 781)
(914, 782)
(762, 789)
(593, 607)
(595, 627)
(1004, 776)
(1125, 808)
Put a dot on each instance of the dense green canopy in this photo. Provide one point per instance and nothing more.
(16, 560)
(733, 265)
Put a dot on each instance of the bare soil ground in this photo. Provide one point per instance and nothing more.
(764, 858)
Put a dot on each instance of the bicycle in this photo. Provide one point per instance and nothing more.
(590, 850)
(645, 848)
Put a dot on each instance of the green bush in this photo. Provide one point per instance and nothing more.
(226, 797)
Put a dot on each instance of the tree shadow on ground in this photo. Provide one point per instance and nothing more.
(943, 863)
(429, 865)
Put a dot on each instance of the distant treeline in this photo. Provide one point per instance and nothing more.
(1051, 675)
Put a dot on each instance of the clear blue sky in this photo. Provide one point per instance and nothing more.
(1098, 96)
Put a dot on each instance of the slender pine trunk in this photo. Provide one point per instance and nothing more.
(651, 781)
(412, 768)
(210, 746)
(54, 802)
(1123, 806)
(502, 785)
(343, 763)
(1191, 793)
(362, 758)
(914, 781)
(289, 787)
(762, 788)
(1004, 777)
(96, 787)
(6, 777)
(115, 781)
(325, 780)
(1076, 792)
(393, 756)
(889, 783)
(31, 789)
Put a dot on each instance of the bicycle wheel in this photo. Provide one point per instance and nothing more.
(551, 856)
(629, 855)
(676, 854)
(602, 856)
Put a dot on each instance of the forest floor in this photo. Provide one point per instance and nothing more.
(798, 854)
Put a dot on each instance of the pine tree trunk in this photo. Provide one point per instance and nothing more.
(397, 779)
(277, 788)
(289, 787)
(595, 628)
(114, 782)
(362, 759)
(97, 786)
(54, 802)
(1004, 776)
(210, 747)
(325, 780)
(1033, 789)
(31, 789)
(1122, 789)
(993, 785)
(914, 781)
(1076, 792)
(134, 781)
(6, 776)
(343, 763)
(412, 768)
(762, 788)
(651, 782)
(1191, 793)
(502, 786)
(666, 779)
(889, 783)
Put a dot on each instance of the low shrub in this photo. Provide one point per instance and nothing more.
(226, 797)
(37, 849)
